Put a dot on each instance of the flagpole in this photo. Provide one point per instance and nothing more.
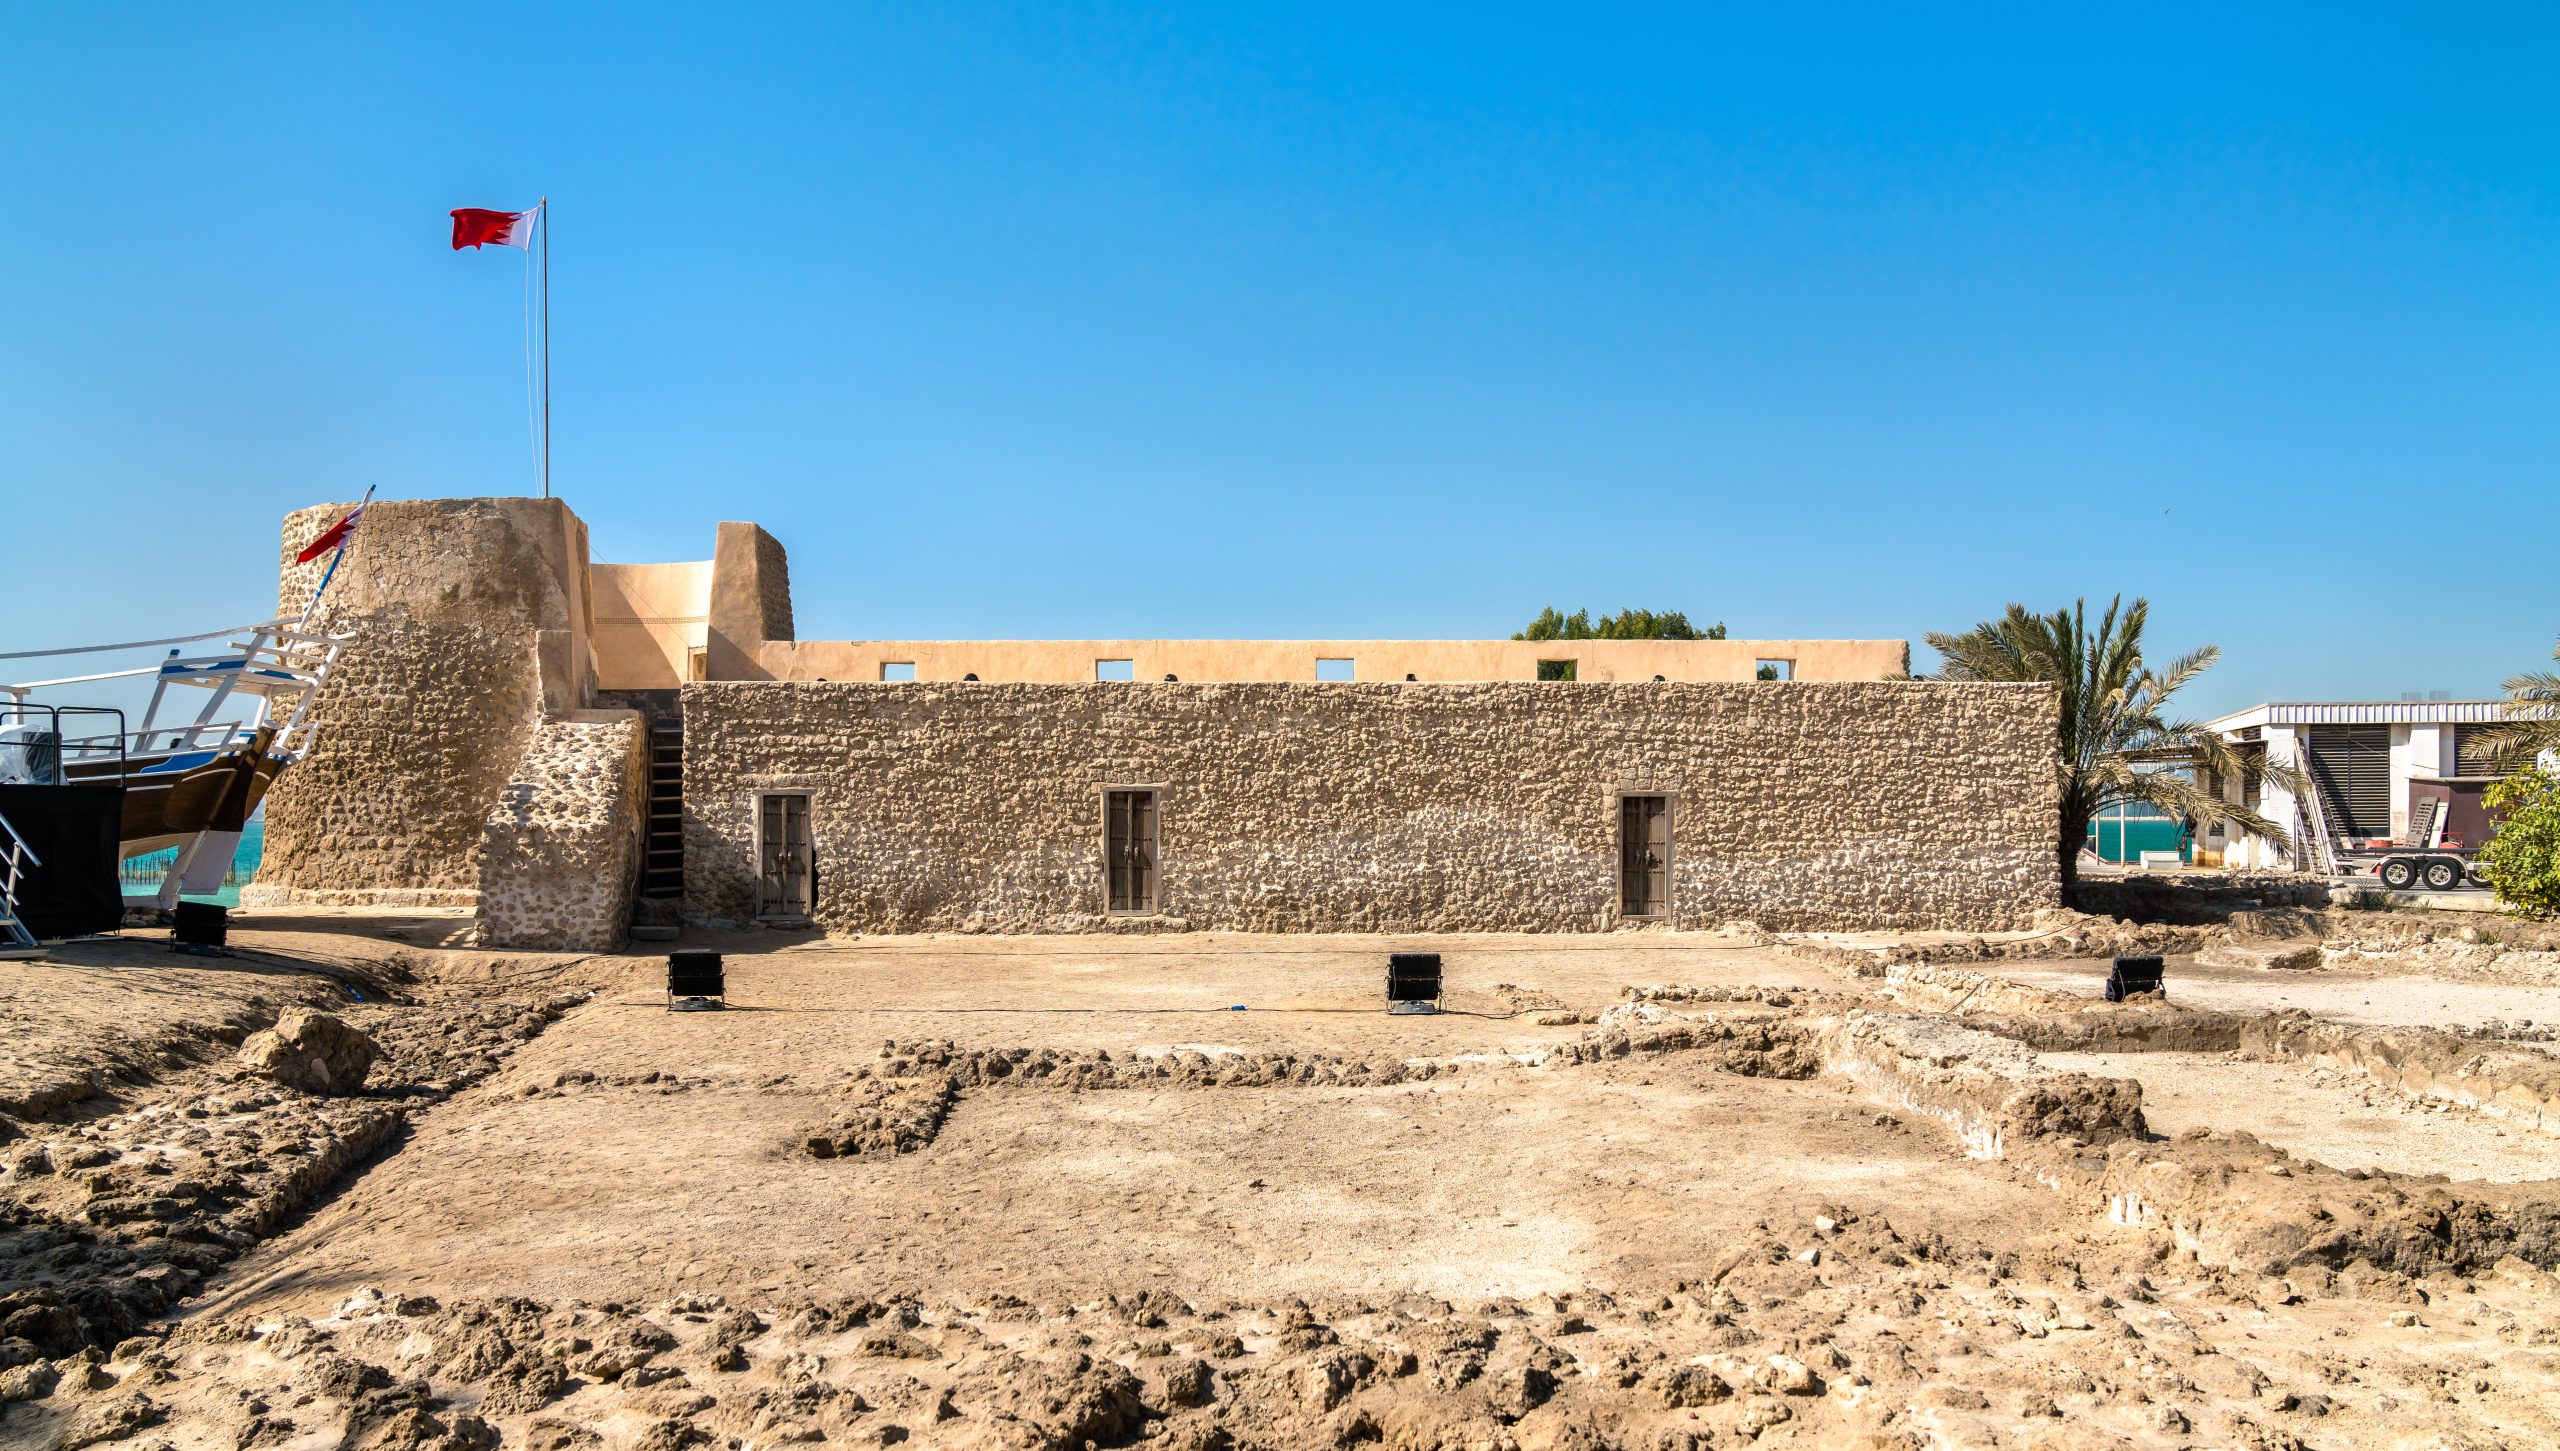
(544, 208)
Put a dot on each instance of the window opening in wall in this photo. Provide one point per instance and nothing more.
(1333, 670)
(1556, 669)
(786, 862)
(2351, 769)
(1129, 850)
(897, 670)
(1774, 670)
(1644, 856)
(697, 662)
(1115, 669)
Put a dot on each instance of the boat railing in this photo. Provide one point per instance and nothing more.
(62, 749)
(276, 663)
(194, 736)
(212, 736)
(18, 856)
(277, 667)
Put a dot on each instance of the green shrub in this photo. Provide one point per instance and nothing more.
(2522, 859)
(1629, 624)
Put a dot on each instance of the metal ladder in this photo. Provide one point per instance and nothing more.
(19, 856)
(2308, 812)
(662, 862)
(2424, 824)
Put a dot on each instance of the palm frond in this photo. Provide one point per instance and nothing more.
(2532, 723)
(2186, 668)
(2185, 799)
(2116, 729)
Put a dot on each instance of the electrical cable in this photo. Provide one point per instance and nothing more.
(131, 644)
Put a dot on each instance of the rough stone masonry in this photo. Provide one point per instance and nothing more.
(463, 761)
(1382, 807)
(456, 764)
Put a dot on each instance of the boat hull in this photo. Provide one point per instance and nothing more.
(171, 796)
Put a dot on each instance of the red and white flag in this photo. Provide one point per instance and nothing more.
(473, 227)
(335, 535)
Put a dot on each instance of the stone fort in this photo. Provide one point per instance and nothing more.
(567, 747)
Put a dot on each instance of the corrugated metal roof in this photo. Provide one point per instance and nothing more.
(2364, 712)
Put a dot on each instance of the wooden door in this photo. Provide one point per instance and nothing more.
(1644, 855)
(1129, 850)
(787, 874)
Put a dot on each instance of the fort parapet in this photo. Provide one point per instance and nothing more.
(549, 740)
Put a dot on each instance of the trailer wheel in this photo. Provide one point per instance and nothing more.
(2398, 873)
(2441, 874)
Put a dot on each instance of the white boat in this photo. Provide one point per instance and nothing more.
(197, 765)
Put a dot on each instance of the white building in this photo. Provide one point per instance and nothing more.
(2373, 764)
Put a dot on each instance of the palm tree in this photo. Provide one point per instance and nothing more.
(2117, 743)
(2532, 725)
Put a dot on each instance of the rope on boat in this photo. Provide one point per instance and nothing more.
(133, 644)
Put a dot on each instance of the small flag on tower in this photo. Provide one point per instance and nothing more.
(335, 535)
(473, 227)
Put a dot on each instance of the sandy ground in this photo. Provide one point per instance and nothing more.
(118, 1014)
(2374, 999)
(563, 1217)
(2343, 1119)
(1479, 1184)
(1476, 1186)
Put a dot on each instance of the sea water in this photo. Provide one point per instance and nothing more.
(143, 874)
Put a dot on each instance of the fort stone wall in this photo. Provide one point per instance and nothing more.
(560, 851)
(468, 617)
(1355, 807)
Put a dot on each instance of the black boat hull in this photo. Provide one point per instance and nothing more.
(68, 888)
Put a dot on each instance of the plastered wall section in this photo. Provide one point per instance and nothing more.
(468, 615)
(1487, 807)
(1190, 661)
(649, 619)
(560, 850)
(750, 600)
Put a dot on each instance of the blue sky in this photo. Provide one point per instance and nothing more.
(1309, 321)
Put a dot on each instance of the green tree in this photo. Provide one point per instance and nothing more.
(1552, 624)
(2117, 742)
(2532, 725)
(2522, 857)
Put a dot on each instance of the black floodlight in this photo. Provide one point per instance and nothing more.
(2133, 975)
(695, 981)
(203, 927)
(1413, 982)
